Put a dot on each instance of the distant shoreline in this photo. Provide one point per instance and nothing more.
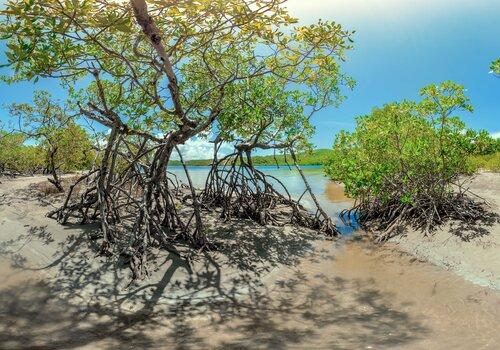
(317, 157)
(318, 166)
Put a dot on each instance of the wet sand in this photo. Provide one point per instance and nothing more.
(335, 193)
(471, 251)
(270, 288)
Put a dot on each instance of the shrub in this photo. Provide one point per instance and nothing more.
(16, 157)
(403, 160)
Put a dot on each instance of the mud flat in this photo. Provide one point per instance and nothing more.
(268, 288)
(472, 252)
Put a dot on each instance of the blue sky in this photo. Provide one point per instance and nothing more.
(400, 46)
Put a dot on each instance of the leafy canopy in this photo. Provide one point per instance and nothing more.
(199, 58)
(405, 150)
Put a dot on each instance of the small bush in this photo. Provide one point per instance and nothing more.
(403, 162)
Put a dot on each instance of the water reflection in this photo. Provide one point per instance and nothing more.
(330, 194)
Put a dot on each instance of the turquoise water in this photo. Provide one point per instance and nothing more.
(320, 185)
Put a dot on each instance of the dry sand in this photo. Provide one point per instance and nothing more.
(268, 288)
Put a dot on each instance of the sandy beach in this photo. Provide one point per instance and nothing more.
(267, 288)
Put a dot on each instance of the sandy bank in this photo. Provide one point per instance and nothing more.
(267, 288)
(472, 252)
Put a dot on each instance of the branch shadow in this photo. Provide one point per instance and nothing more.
(481, 227)
(30, 193)
(236, 298)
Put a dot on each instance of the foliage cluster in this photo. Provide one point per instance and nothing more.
(488, 162)
(406, 141)
(481, 142)
(47, 140)
(18, 158)
(403, 159)
(19, 155)
(48, 124)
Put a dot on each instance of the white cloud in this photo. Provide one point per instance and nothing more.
(200, 148)
(194, 148)
(495, 135)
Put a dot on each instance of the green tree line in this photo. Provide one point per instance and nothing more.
(311, 157)
(47, 140)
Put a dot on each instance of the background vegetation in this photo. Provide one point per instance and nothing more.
(488, 162)
(313, 157)
(71, 148)
(495, 67)
(18, 158)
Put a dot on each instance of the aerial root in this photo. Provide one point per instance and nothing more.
(240, 190)
(141, 207)
(425, 214)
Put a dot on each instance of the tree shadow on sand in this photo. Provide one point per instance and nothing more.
(30, 193)
(247, 295)
(468, 231)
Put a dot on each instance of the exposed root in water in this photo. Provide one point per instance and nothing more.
(386, 219)
(243, 191)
